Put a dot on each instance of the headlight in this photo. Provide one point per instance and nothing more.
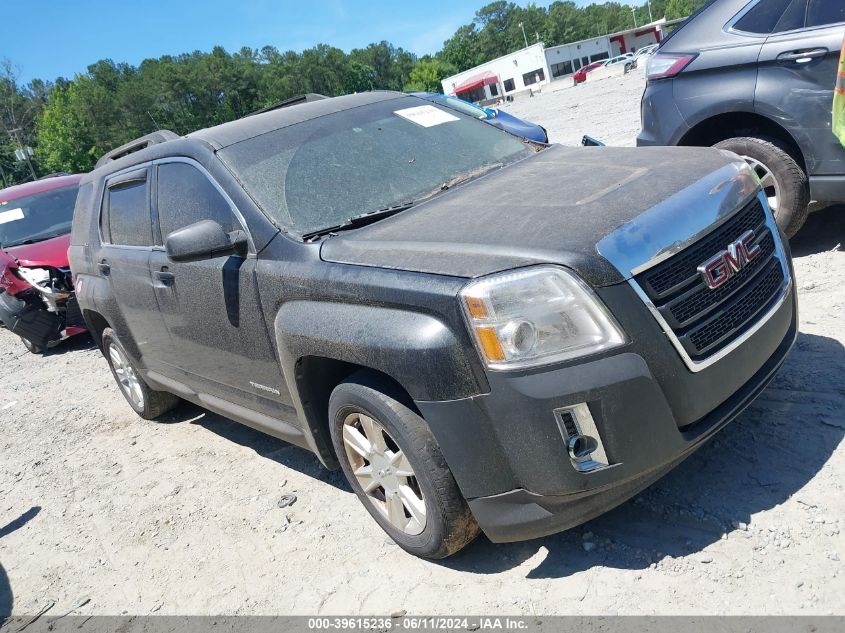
(34, 276)
(535, 316)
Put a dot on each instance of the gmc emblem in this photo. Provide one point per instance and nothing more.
(722, 266)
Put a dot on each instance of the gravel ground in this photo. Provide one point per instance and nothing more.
(607, 109)
(181, 517)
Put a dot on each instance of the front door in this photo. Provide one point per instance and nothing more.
(211, 308)
(797, 76)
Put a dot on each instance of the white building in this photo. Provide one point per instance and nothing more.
(516, 72)
(532, 67)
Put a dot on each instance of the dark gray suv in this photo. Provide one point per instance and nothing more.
(756, 77)
(479, 330)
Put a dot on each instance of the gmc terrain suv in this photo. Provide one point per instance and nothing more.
(480, 330)
(756, 77)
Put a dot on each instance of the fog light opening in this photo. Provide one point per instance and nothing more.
(581, 437)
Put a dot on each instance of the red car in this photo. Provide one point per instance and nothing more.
(37, 300)
(581, 75)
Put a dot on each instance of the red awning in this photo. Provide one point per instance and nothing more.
(477, 81)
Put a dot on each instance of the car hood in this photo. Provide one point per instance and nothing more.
(517, 126)
(52, 252)
(601, 211)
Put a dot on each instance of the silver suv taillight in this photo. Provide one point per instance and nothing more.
(665, 65)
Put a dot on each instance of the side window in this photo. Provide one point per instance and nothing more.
(127, 218)
(823, 12)
(186, 196)
(763, 17)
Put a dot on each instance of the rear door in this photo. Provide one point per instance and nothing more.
(797, 76)
(123, 258)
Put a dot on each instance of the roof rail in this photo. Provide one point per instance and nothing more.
(138, 144)
(53, 175)
(306, 98)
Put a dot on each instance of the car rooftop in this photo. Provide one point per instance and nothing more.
(248, 127)
(37, 186)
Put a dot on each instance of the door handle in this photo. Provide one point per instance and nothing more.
(104, 267)
(165, 277)
(802, 57)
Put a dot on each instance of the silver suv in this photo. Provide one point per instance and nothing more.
(757, 78)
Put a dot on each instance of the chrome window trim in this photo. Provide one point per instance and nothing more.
(729, 27)
(699, 365)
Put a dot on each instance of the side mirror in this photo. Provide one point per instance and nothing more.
(204, 240)
(589, 141)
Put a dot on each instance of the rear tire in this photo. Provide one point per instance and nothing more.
(383, 444)
(785, 183)
(146, 402)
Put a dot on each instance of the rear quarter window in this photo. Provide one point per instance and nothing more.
(82, 214)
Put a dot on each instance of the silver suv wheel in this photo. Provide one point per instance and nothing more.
(771, 187)
(384, 473)
(126, 376)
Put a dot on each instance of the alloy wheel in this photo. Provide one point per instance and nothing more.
(771, 187)
(126, 376)
(384, 473)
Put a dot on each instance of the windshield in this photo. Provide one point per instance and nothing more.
(37, 217)
(320, 173)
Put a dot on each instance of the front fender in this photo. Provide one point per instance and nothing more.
(417, 350)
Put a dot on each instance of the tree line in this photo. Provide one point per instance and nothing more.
(70, 123)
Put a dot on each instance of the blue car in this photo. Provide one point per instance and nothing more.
(498, 118)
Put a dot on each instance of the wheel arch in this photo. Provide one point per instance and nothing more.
(730, 124)
(321, 344)
(316, 377)
(97, 324)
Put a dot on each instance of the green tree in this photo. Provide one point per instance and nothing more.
(63, 140)
(427, 74)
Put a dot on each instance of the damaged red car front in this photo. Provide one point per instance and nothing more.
(37, 301)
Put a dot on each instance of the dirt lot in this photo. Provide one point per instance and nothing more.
(181, 517)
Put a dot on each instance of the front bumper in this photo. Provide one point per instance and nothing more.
(508, 455)
(26, 315)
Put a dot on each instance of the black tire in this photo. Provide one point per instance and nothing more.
(32, 347)
(450, 525)
(794, 198)
(155, 403)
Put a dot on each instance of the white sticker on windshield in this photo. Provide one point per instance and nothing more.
(426, 116)
(11, 215)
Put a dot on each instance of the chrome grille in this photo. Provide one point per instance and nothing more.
(704, 321)
(668, 276)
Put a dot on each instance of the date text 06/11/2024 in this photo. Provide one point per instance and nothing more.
(421, 623)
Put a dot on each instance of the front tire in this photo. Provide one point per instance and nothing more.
(784, 182)
(146, 402)
(393, 463)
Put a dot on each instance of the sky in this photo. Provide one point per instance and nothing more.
(59, 38)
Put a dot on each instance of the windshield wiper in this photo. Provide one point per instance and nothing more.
(359, 220)
(25, 242)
